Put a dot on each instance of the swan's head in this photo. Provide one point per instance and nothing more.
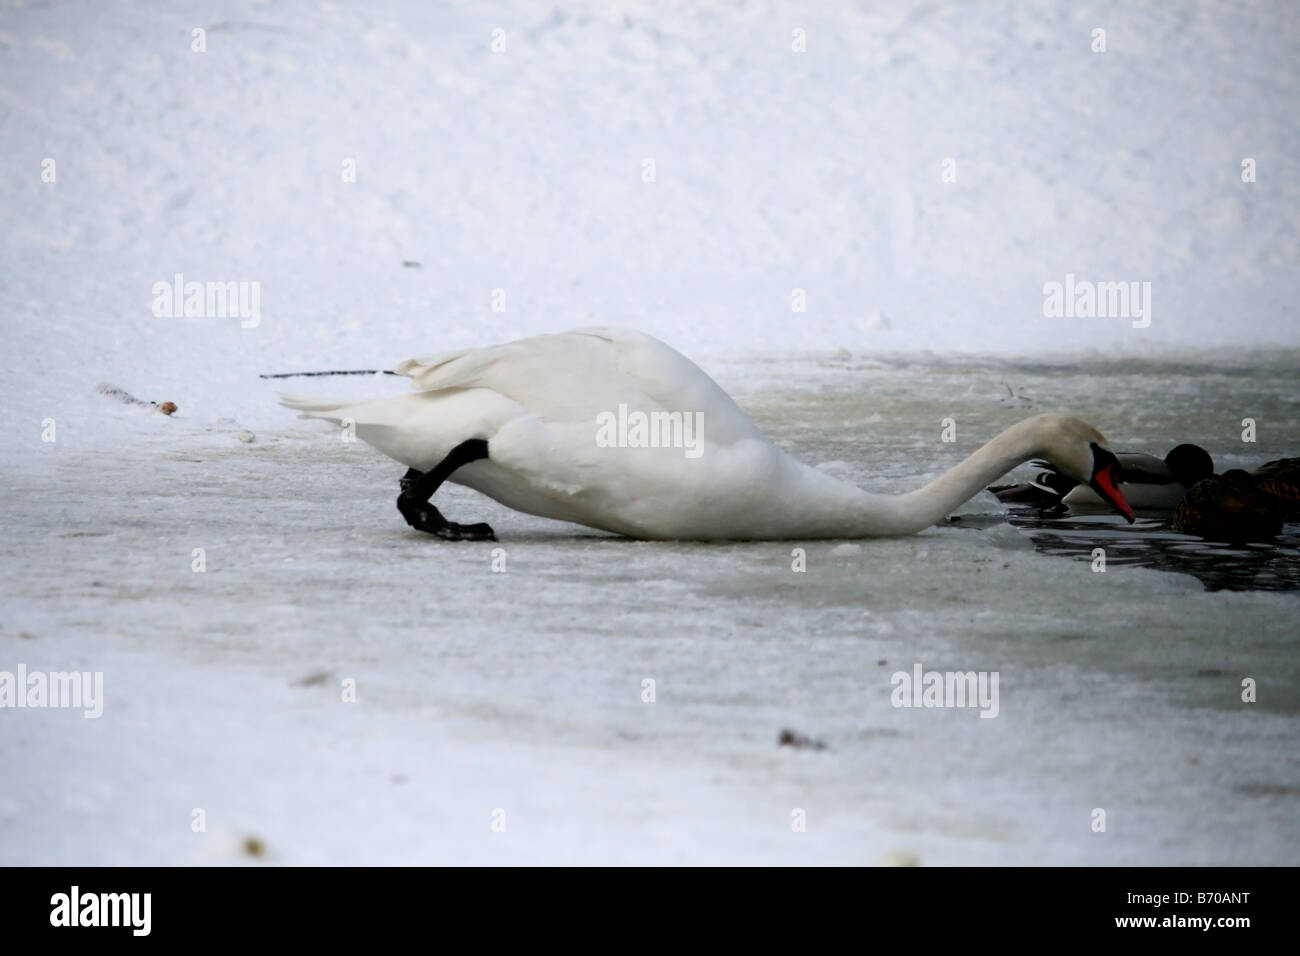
(1080, 451)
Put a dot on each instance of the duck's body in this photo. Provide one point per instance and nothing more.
(1280, 481)
(1242, 506)
(540, 413)
(1227, 507)
(1149, 483)
(1142, 495)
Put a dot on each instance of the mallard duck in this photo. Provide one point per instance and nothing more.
(1240, 506)
(1149, 483)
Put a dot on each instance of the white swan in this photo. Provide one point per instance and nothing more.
(523, 422)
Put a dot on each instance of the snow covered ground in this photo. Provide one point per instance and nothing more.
(518, 179)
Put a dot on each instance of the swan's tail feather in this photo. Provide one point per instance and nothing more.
(313, 406)
(449, 369)
(409, 428)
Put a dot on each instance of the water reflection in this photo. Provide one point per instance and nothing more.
(1150, 543)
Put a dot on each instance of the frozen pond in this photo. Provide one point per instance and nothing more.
(517, 696)
(389, 180)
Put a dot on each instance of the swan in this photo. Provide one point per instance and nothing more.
(1148, 483)
(523, 423)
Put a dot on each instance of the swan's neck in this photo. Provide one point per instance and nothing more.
(858, 513)
(1018, 444)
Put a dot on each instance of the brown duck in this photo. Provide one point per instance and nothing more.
(1240, 506)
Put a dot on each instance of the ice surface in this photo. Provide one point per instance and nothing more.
(522, 690)
(522, 171)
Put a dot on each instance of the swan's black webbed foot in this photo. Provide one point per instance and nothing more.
(471, 532)
(425, 517)
(418, 488)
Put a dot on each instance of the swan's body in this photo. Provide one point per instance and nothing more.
(538, 402)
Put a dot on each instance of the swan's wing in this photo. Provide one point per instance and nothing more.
(571, 377)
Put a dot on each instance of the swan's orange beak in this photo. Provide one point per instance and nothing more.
(1105, 483)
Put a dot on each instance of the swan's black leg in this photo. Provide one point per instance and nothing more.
(418, 488)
